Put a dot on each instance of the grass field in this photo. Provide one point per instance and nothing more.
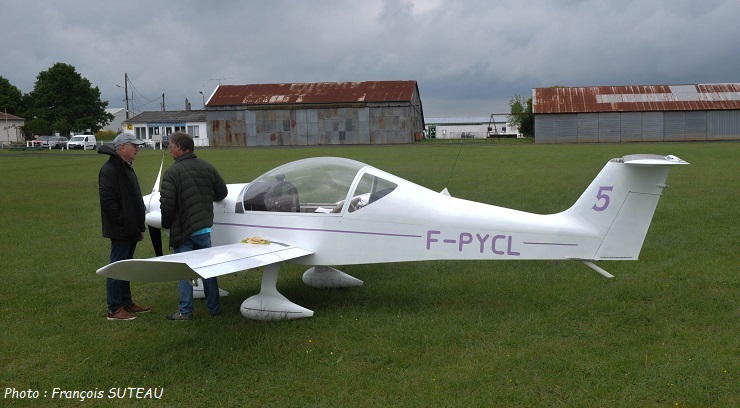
(663, 333)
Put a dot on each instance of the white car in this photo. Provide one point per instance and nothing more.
(83, 142)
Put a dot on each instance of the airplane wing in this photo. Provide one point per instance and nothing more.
(202, 263)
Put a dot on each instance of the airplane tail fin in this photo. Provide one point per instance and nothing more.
(619, 204)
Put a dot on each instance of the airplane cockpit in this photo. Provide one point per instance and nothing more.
(315, 185)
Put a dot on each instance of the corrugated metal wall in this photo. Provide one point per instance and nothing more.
(674, 124)
(318, 126)
(588, 127)
(723, 125)
(637, 126)
(696, 125)
(631, 127)
(652, 126)
(609, 126)
(567, 128)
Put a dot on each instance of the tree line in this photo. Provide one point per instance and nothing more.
(62, 101)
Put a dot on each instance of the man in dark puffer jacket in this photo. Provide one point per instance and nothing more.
(122, 213)
(189, 188)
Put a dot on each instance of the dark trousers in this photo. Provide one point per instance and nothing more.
(119, 291)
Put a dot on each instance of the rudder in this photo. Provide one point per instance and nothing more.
(619, 204)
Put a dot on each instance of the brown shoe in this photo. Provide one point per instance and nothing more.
(134, 308)
(121, 314)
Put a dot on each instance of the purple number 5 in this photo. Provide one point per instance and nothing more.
(601, 195)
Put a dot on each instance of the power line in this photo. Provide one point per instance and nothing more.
(147, 104)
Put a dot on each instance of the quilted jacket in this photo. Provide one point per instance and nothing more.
(189, 188)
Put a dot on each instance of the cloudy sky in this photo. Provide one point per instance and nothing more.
(469, 57)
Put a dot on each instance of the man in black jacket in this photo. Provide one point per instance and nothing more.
(122, 213)
(189, 188)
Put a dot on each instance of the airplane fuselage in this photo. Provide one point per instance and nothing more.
(411, 226)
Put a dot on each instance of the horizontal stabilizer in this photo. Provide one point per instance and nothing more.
(202, 263)
(652, 160)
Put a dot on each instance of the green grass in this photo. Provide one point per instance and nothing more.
(663, 333)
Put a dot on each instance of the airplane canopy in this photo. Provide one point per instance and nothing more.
(320, 180)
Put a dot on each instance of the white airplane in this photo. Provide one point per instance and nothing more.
(332, 211)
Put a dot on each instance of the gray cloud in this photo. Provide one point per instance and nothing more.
(469, 56)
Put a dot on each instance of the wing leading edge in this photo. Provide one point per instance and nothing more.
(203, 263)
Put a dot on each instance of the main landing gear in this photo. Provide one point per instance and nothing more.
(269, 304)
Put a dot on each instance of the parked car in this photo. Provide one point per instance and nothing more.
(57, 142)
(83, 142)
(41, 141)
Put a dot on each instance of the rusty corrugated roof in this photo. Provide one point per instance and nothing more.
(317, 92)
(636, 98)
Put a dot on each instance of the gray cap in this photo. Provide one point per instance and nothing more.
(124, 138)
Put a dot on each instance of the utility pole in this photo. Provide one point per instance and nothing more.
(7, 128)
(125, 89)
(163, 109)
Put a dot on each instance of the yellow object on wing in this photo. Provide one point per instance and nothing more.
(255, 240)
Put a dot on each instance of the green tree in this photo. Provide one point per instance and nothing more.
(63, 101)
(10, 98)
(521, 115)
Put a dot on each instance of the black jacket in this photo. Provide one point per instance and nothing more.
(189, 188)
(121, 204)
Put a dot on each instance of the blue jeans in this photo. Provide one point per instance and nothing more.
(117, 291)
(210, 285)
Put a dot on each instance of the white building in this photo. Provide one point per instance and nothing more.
(470, 127)
(151, 126)
(10, 129)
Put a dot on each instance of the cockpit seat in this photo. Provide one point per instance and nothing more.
(278, 196)
(282, 197)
